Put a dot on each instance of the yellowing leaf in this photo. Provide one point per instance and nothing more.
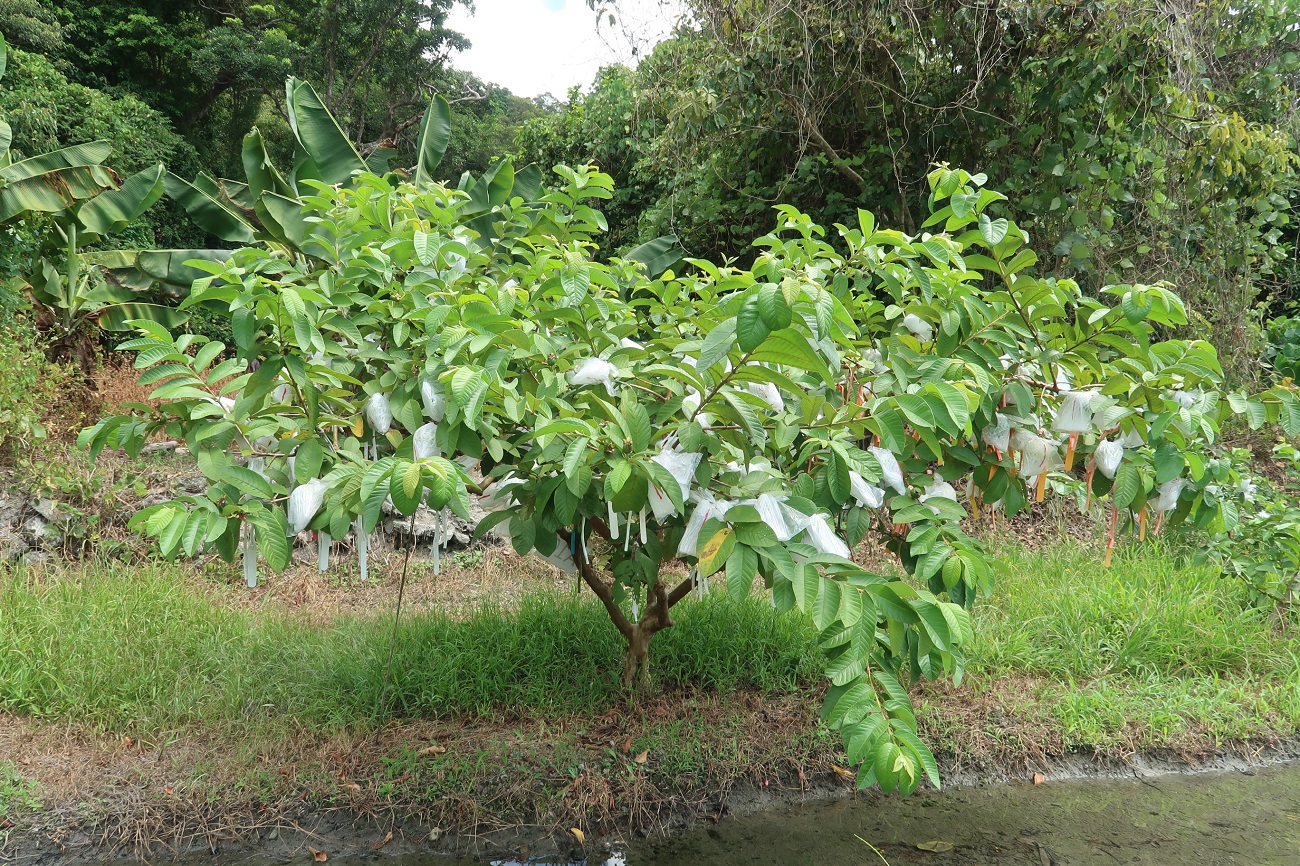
(715, 551)
(937, 846)
(578, 834)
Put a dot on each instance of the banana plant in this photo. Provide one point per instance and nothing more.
(269, 206)
(69, 199)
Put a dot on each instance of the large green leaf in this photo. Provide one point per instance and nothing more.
(328, 148)
(113, 210)
(208, 211)
(658, 255)
(528, 183)
(115, 317)
(435, 132)
(4, 55)
(259, 171)
(51, 182)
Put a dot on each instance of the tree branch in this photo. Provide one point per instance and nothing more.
(603, 592)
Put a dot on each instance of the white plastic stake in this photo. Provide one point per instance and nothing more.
(643, 526)
(250, 558)
(613, 522)
(323, 551)
(627, 535)
(636, 609)
(363, 549)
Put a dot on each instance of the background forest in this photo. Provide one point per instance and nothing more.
(1136, 138)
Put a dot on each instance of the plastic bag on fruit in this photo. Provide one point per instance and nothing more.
(822, 536)
(681, 465)
(769, 394)
(1037, 455)
(706, 507)
(379, 413)
(891, 472)
(304, 502)
(938, 489)
(424, 442)
(434, 399)
(1170, 491)
(919, 328)
(784, 521)
(865, 494)
(1108, 456)
(998, 434)
(1075, 414)
(594, 371)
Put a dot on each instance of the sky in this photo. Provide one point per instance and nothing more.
(532, 47)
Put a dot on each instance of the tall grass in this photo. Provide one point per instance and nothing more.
(115, 647)
(1059, 613)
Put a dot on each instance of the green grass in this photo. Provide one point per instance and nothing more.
(115, 647)
(1153, 648)
(1151, 651)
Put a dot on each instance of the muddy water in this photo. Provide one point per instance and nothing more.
(1207, 819)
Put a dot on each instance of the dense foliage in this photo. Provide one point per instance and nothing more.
(750, 423)
(1158, 144)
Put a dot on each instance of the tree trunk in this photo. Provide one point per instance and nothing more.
(636, 668)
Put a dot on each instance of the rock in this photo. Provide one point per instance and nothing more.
(12, 506)
(50, 510)
(12, 546)
(32, 557)
(40, 529)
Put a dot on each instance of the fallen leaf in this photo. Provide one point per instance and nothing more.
(844, 774)
(937, 846)
(578, 834)
(641, 758)
(168, 789)
(128, 742)
(627, 745)
(434, 749)
(388, 837)
(1039, 778)
(317, 855)
(352, 786)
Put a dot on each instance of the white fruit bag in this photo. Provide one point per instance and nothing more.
(304, 502)
(379, 413)
(593, 371)
(434, 399)
(920, 329)
(1108, 456)
(866, 495)
(891, 472)
(821, 536)
(681, 465)
(424, 442)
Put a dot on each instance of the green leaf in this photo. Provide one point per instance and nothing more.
(113, 210)
(1128, 483)
(657, 255)
(751, 330)
(638, 425)
(742, 566)
(316, 129)
(993, 231)
(435, 133)
(575, 278)
(717, 344)
(273, 543)
(208, 211)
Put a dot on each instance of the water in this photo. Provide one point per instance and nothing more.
(1205, 819)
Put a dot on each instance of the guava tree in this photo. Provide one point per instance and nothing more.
(742, 427)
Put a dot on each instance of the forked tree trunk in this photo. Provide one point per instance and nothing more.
(636, 666)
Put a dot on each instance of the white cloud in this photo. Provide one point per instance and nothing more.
(547, 46)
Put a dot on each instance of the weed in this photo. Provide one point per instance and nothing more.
(17, 794)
